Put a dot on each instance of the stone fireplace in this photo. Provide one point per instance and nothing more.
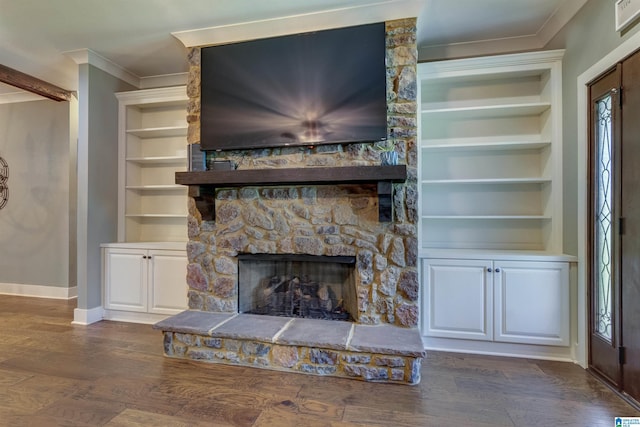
(288, 225)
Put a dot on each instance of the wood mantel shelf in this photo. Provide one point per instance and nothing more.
(202, 184)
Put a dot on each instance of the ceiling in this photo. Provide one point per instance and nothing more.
(40, 37)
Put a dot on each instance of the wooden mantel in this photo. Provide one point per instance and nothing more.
(202, 184)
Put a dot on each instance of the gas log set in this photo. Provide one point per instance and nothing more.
(316, 287)
(298, 296)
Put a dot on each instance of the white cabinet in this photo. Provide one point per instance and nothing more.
(495, 300)
(490, 159)
(125, 279)
(152, 146)
(531, 302)
(458, 299)
(141, 283)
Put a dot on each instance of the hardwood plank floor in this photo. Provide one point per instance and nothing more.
(53, 373)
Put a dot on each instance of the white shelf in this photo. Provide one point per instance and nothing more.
(467, 145)
(485, 217)
(158, 160)
(149, 215)
(490, 158)
(152, 147)
(158, 187)
(500, 181)
(507, 255)
(159, 132)
(485, 111)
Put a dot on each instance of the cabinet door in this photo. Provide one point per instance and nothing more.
(125, 282)
(167, 281)
(458, 299)
(532, 302)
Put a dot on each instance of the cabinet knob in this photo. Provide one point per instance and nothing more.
(497, 270)
(489, 270)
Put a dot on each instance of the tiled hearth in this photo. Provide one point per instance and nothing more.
(321, 347)
(382, 342)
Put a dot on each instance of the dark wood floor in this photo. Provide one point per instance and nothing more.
(53, 373)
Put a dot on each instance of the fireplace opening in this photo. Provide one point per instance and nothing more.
(309, 286)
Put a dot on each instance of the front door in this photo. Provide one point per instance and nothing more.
(630, 233)
(614, 235)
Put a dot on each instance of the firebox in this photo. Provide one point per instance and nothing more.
(309, 286)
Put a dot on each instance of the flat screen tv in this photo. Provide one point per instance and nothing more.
(324, 87)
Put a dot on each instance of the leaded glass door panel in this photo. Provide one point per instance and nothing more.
(604, 199)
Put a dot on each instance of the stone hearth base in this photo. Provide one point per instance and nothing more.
(382, 353)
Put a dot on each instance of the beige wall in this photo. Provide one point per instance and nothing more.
(587, 38)
(97, 177)
(34, 225)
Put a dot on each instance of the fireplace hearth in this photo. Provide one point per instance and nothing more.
(307, 286)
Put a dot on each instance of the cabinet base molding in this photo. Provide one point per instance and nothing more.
(133, 317)
(560, 354)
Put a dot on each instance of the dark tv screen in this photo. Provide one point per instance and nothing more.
(306, 89)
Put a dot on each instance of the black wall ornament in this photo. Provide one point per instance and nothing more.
(4, 177)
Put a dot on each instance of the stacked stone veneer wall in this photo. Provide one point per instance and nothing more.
(366, 366)
(318, 220)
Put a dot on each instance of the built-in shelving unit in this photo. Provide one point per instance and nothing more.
(490, 153)
(494, 278)
(152, 147)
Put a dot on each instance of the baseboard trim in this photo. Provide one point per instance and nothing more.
(85, 317)
(135, 317)
(490, 348)
(38, 291)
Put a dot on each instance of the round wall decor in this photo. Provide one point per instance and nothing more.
(4, 177)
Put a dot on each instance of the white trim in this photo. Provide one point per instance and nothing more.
(481, 65)
(479, 48)
(135, 317)
(178, 79)
(563, 14)
(38, 291)
(152, 96)
(87, 317)
(541, 352)
(626, 48)
(87, 56)
(379, 11)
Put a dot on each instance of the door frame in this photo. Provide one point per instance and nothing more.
(581, 346)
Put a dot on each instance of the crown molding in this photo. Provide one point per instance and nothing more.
(87, 56)
(478, 48)
(560, 17)
(565, 12)
(164, 80)
(380, 11)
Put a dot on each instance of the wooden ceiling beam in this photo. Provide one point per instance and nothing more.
(34, 85)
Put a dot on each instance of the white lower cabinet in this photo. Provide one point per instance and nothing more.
(525, 302)
(140, 283)
(458, 299)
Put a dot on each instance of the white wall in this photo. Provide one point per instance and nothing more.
(34, 225)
